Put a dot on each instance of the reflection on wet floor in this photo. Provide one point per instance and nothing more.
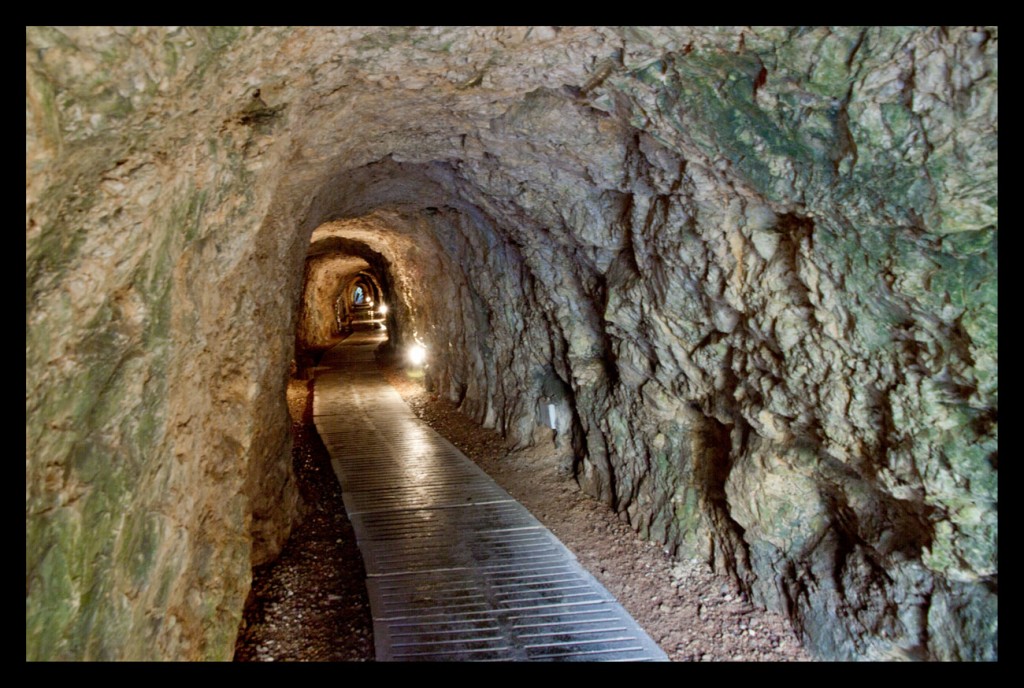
(457, 569)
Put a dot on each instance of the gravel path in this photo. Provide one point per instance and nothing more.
(310, 604)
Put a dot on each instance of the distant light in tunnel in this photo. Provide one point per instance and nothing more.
(417, 354)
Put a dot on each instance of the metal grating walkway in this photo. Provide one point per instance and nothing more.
(456, 568)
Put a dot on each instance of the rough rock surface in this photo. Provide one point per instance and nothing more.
(753, 270)
(326, 277)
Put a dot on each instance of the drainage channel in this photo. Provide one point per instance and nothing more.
(456, 568)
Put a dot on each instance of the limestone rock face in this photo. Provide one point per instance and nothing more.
(326, 276)
(754, 270)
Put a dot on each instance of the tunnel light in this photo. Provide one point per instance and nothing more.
(417, 354)
(383, 310)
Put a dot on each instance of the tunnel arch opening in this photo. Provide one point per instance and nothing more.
(454, 278)
(358, 303)
(169, 239)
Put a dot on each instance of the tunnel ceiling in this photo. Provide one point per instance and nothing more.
(753, 269)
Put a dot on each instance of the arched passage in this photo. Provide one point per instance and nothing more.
(679, 229)
(358, 304)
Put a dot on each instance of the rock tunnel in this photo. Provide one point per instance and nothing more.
(753, 270)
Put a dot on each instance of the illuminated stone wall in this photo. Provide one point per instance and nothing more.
(754, 268)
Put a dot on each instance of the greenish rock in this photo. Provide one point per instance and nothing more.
(762, 260)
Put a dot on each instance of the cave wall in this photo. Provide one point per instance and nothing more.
(159, 309)
(324, 279)
(755, 270)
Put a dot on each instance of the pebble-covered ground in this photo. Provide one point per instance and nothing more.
(310, 604)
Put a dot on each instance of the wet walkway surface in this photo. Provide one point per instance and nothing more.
(456, 568)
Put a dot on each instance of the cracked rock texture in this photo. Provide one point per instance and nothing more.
(753, 270)
(326, 276)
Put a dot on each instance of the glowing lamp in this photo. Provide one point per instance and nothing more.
(383, 310)
(417, 354)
